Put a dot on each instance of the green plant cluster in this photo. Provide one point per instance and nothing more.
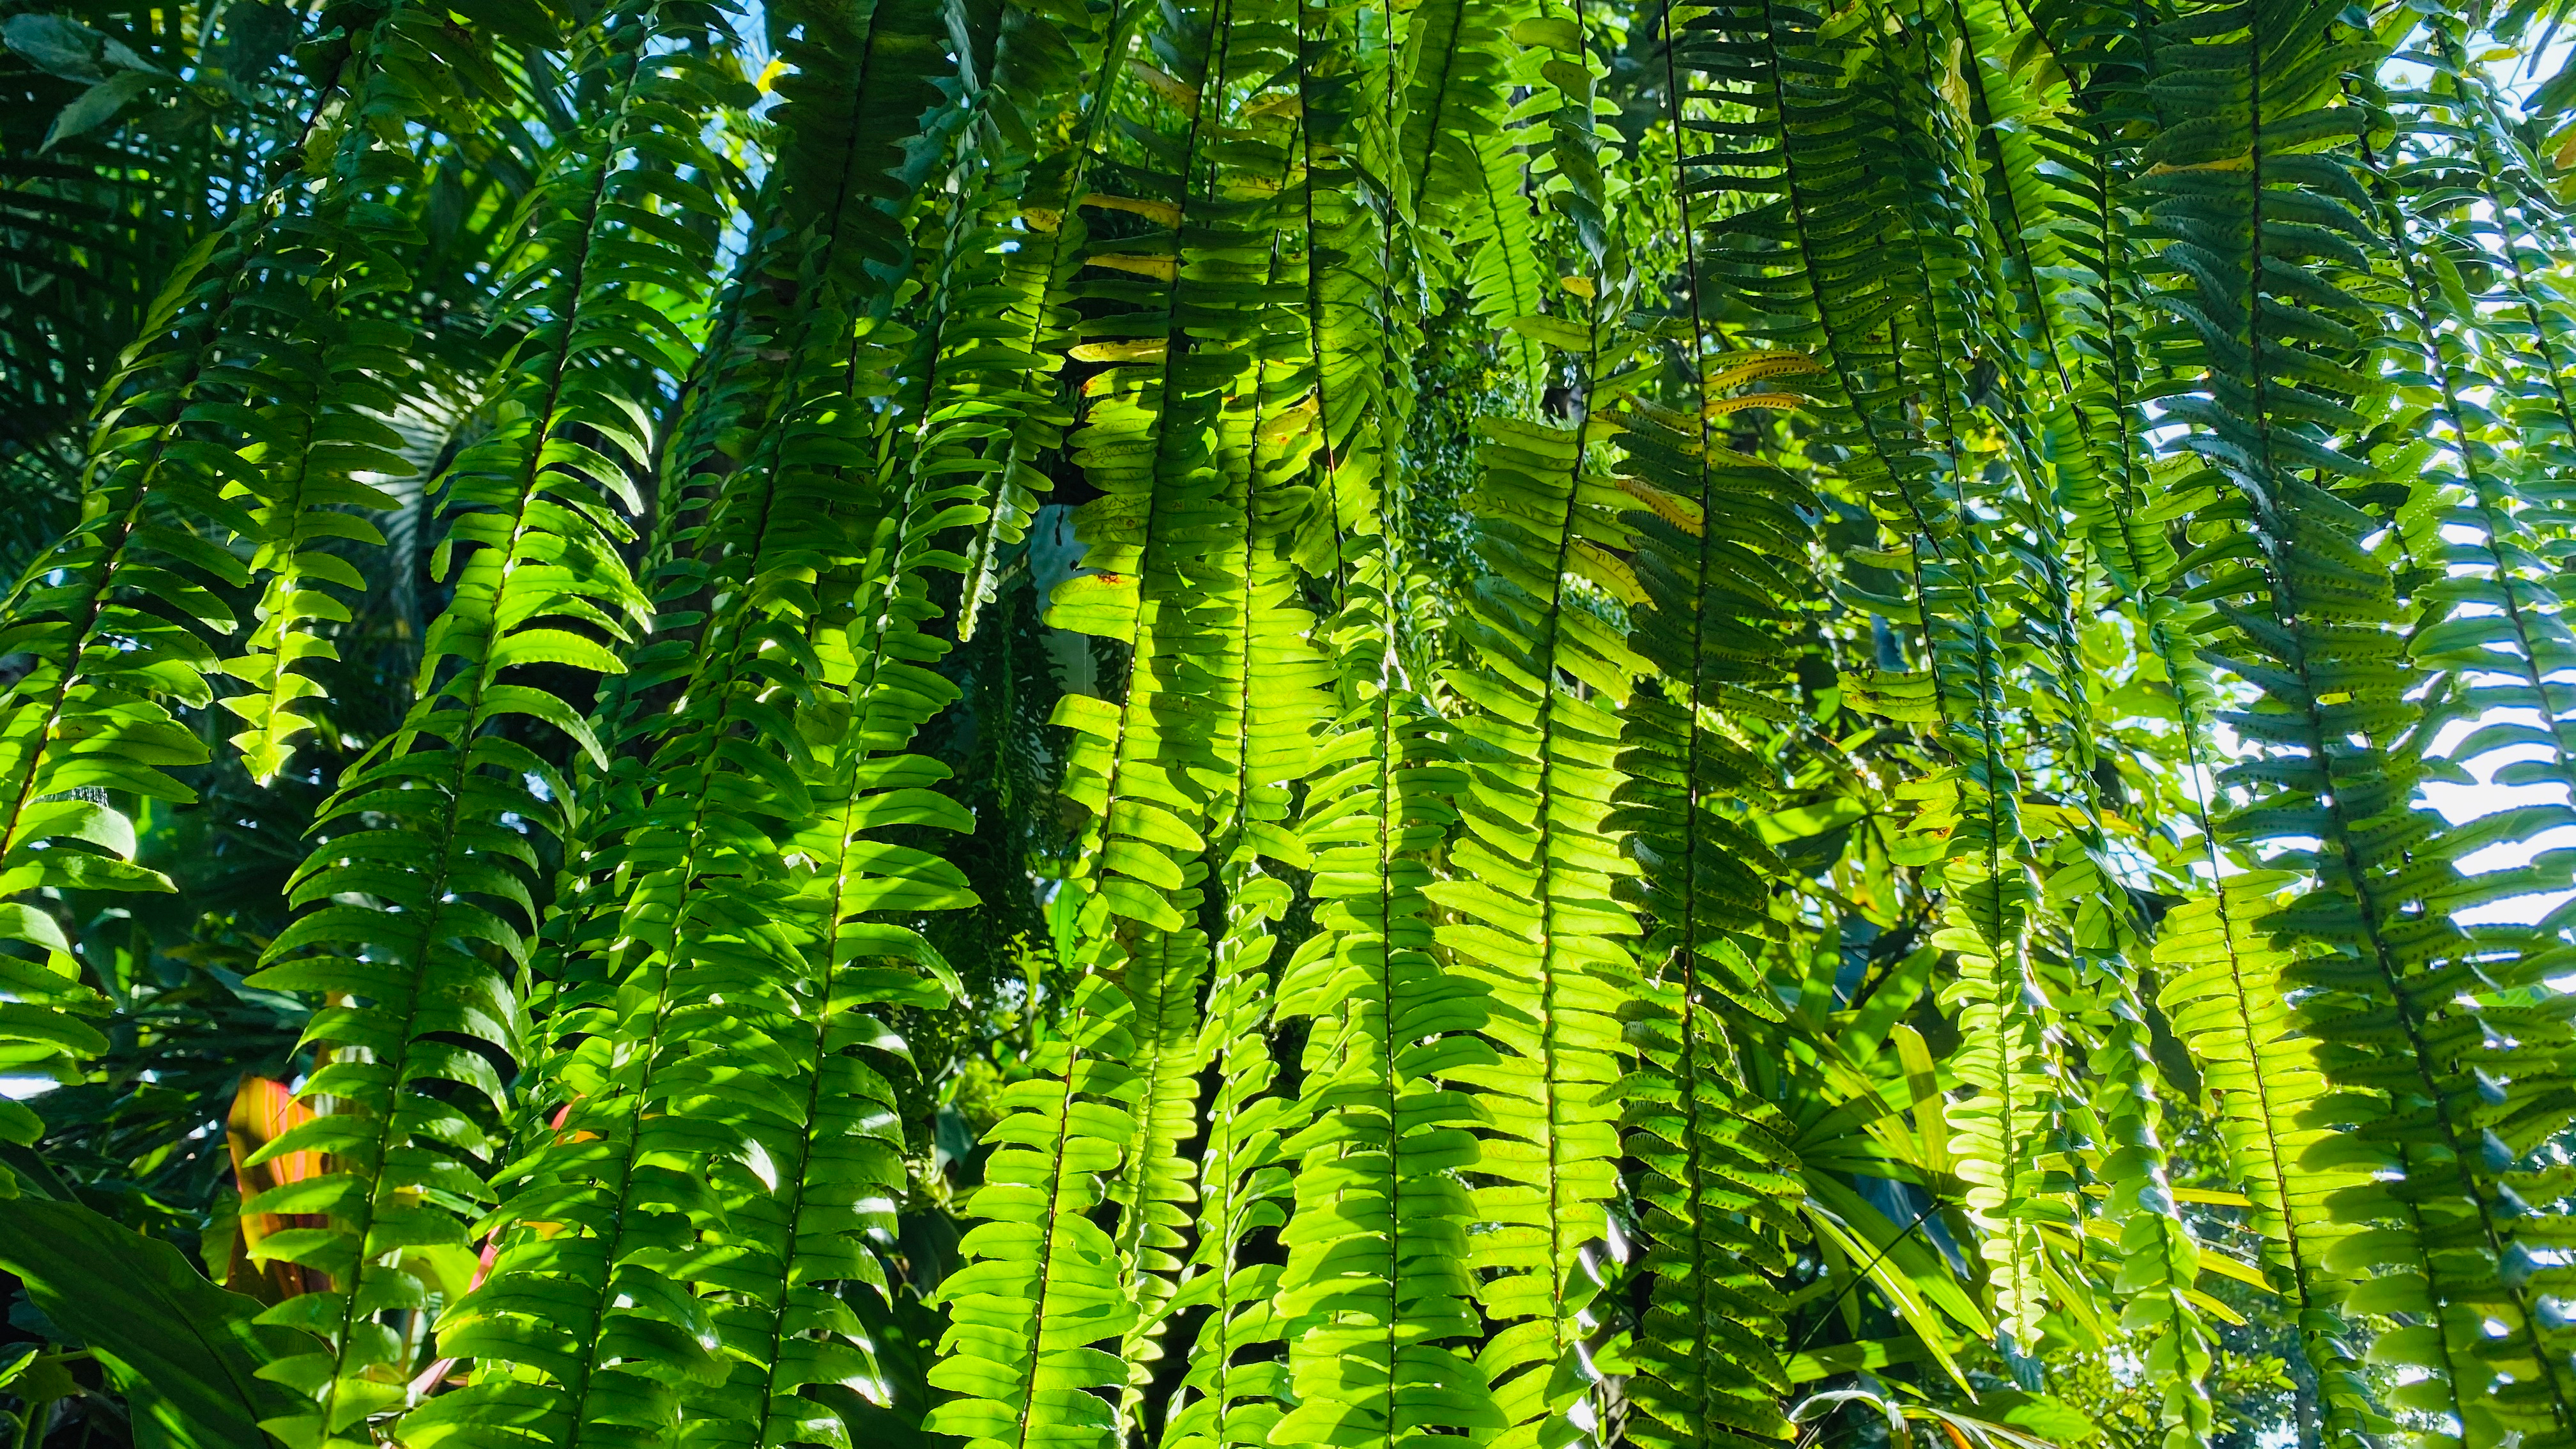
(1470, 724)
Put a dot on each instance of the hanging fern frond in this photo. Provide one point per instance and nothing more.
(1720, 1171)
(1462, 145)
(423, 921)
(750, 938)
(1164, 548)
(1272, 701)
(319, 406)
(1875, 292)
(1712, 540)
(1537, 923)
(2227, 998)
(1375, 1302)
(1534, 918)
(2312, 618)
(1258, 724)
(114, 618)
(1044, 1284)
(811, 1224)
(2087, 949)
(2010, 1139)
(1041, 86)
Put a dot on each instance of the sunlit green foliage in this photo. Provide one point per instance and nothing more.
(1072, 724)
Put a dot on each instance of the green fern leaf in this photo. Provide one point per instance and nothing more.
(532, 552)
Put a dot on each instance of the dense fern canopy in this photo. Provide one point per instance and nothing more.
(1322, 724)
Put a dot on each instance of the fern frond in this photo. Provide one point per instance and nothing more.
(854, 887)
(1271, 702)
(114, 616)
(2313, 616)
(1721, 1183)
(1044, 1283)
(2226, 997)
(751, 936)
(2053, 449)
(430, 914)
(1533, 916)
(1375, 1302)
(1166, 537)
(1041, 68)
(1889, 317)
(325, 390)
(1229, 1397)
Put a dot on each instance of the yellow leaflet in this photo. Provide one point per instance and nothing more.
(1096, 717)
(1719, 407)
(1681, 423)
(1287, 423)
(1608, 570)
(2226, 1266)
(1169, 87)
(1103, 604)
(1954, 90)
(1734, 369)
(1161, 269)
(2211, 1259)
(2224, 163)
(1923, 1085)
(1554, 32)
(1672, 508)
(1101, 384)
(1554, 331)
(1161, 211)
(1909, 698)
(1145, 349)
(2214, 1308)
